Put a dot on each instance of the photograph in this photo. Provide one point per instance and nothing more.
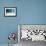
(10, 11)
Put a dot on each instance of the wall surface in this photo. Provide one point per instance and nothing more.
(28, 12)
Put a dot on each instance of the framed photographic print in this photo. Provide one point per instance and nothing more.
(10, 11)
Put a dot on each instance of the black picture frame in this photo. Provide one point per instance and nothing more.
(10, 11)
